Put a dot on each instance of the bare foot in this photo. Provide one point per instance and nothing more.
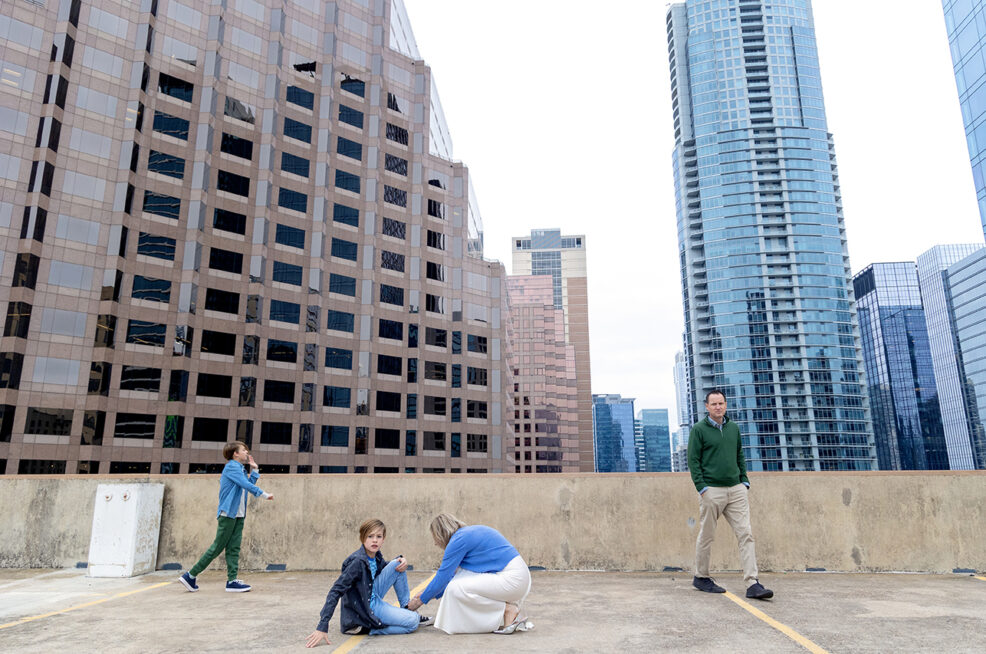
(510, 613)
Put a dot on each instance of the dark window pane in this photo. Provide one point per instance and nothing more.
(296, 130)
(218, 342)
(435, 271)
(26, 270)
(350, 116)
(345, 215)
(294, 165)
(11, 364)
(395, 164)
(282, 351)
(287, 273)
(93, 427)
(436, 337)
(52, 422)
(236, 146)
(176, 88)
(170, 125)
(436, 209)
(225, 260)
(152, 245)
(146, 333)
(165, 164)
(291, 236)
(301, 97)
(340, 321)
(292, 200)
(137, 378)
(394, 196)
(477, 343)
(40, 467)
(18, 319)
(239, 110)
(394, 228)
(233, 183)
(336, 396)
(100, 373)
(229, 221)
(354, 86)
(134, 425)
(387, 439)
(162, 205)
(285, 311)
(224, 301)
(342, 284)
(148, 288)
(392, 295)
(390, 329)
(389, 365)
(391, 261)
(397, 134)
(335, 436)
(337, 357)
(210, 385)
(275, 433)
(350, 149)
(436, 240)
(344, 249)
(347, 181)
(279, 391)
(214, 430)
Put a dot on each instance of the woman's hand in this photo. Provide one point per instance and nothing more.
(316, 638)
(402, 565)
(415, 603)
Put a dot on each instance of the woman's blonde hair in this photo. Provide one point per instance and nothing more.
(443, 526)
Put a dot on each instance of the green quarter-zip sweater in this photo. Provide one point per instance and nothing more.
(715, 455)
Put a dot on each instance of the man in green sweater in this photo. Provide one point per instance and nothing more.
(718, 468)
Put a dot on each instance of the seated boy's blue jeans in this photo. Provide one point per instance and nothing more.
(398, 620)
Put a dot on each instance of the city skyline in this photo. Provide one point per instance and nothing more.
(620, 131)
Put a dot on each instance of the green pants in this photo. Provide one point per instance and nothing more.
(229, 533)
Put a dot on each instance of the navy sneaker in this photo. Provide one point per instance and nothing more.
(757, 591)
(236, 586)
(188, 581)
(707, 585)
(424, 620)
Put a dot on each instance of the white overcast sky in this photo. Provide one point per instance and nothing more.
(561, 110)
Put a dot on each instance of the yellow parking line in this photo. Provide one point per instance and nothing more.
(784, 629)
(979, 578)
(82, 606)
(354, 641)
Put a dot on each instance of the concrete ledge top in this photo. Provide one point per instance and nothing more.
(572, 612)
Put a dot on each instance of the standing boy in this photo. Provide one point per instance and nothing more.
(231, 513)
(718, 469)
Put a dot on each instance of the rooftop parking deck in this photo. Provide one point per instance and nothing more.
(63, 610)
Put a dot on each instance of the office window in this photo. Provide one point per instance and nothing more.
(301, 97)
(297, 130)
(240, 110)
(51, 422)
(394, 228)
(397, 134)
(475, 409)
(166, 164)
(225, 260)
(434, 303)
(285, 311)
(390, 329)
(285, 351)
(476, 443)
(294, 165)
(134, 425)
(148, 288)
(387, 439)
(344, 249)
(476, 376)
(224, 301)
(456, 375)
(290, 236)
(337, 357)
(350, 149)
(434, 440)
(213, 430)
(292, 200)
(141, 332)
(138, 378)
(175, 87)
(278, 391)
(435, 271)
(345, 215)
(389, 365)
(342, 284)
(387, 401)
(436, 240)
(477, 343)
(337, 396)
(26, 270)
(341, 321)
(229, 221)
(435, 370)
(275, 433)
(335, 436)
(287, 273)
(436, 337)
(232, 183)
(436, 209)
(395, 164)
(347, 181)
(162, 205)
(18, 319)
(435, 406)
(391, 261)
(170, 125)
(394, 196)
(218, 342)
(40, 467)
(350, 116)
(210, 385)
(391, 295)
(353, 85)
(236, 146)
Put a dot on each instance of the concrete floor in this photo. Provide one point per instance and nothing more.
(572, 612)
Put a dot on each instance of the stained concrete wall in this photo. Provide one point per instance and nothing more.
(924, 521)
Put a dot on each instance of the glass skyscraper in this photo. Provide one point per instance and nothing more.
(946, 354)
(967, 287)
(899, 374)
(965, 22)
(612, 419)
(654, 440)
(769, 311)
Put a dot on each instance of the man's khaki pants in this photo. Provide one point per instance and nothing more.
(733, 503)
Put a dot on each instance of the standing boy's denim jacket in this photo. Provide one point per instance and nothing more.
(231, 486)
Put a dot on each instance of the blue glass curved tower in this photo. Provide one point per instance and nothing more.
(766, 282)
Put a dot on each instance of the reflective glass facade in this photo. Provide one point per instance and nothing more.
(946, 356)
(654, 440)
(769, 311)
(612, 419)
(967, 288)
(965, 22)
(899, 375)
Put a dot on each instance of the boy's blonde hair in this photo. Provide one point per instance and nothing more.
(443, 526)
(369, 526)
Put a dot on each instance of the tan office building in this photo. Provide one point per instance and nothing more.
(547, 252)
(238, 220)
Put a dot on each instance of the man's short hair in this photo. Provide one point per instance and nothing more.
(230, 449)
(714, 392)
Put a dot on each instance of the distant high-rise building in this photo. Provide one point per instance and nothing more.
(547, 252)
(684, 408)
(766, 281)
(239, 220)
(655, 440)
(613, 419)
(967, 38)
(946, 354)
(899, 374)
(546, 430)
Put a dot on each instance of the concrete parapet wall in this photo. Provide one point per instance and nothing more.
(880, 521)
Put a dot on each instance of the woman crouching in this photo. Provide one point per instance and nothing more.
(486, 592)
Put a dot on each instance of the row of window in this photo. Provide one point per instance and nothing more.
(55, 467)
